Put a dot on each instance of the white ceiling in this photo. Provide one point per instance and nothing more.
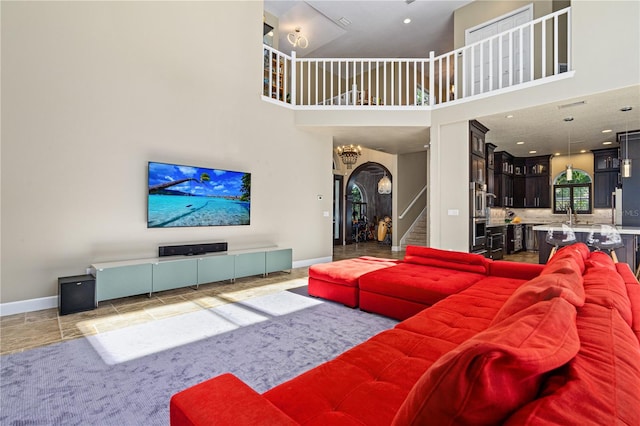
(377, 31)
(376, 28)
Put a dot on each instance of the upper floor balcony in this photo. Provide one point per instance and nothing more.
(534, 53)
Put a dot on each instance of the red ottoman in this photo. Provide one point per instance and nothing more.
(338, 281)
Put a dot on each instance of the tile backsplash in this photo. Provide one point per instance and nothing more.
(497, 215)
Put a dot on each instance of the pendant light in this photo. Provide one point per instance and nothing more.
(569, 171)
(626, 163)
(384, 185)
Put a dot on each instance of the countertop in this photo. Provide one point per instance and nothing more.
(496, 224)
(584, 227)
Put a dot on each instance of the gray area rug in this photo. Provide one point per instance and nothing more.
(90, 382)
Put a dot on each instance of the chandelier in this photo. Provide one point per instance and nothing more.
(349, 154)
(297, 40)
(384, 185)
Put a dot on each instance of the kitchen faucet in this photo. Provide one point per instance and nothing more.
(573, 217)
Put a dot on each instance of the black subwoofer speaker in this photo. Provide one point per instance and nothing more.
(76, 294)
(191, 249)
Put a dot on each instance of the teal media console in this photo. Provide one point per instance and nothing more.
(140, 276)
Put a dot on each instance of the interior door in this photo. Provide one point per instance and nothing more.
(337, 209)
(487, 56)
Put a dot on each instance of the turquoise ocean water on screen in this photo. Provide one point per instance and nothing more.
(181, 210)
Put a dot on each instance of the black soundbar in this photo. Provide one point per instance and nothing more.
(191, 249)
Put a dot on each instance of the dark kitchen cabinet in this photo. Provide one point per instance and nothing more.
(503, 175)
(490, 161)
(489, 155)
(478, 169)
(604, 184)
(519, 191)
(606, 159)
(537, 192)
(606, 176)
(537, 166)
(477, 135)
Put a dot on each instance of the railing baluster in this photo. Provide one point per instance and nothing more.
(568, 46)
(531, 52)
(500, 56)
(543, 59)
(384, 83)
(521, 54)
(556, 66)
(510, 56)
(432, 83)
(481, 67)
(393, 99)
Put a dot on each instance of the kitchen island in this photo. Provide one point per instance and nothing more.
(630, 253)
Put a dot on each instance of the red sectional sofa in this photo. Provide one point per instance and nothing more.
(560, 348)
(400, 289)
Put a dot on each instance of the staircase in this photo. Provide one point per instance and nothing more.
(417, 234)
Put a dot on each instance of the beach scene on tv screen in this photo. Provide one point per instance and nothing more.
(195, 196)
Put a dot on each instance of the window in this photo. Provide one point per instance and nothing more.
(575, 193)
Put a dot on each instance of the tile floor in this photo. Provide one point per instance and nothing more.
(33, 329)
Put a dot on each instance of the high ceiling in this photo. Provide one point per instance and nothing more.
(375, 28)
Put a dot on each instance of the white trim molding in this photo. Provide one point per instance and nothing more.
(21, 306)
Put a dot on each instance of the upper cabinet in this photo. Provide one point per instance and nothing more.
(477, 135)
(606, 176)
(522, 181)
(607, 159)
(477, 160)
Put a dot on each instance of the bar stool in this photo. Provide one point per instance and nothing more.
(605, 237)
(559, 235)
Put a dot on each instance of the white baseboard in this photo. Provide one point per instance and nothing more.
(12, 308)
(309, 262)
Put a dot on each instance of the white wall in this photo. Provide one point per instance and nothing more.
(91, 91)
(448, 178)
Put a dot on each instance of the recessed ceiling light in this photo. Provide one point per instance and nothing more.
(557, 154)
(533, 151)
(407, 20)
(582, 151)
(509, 116)
(607, 143)
(520, 143)
(607, 131)
(344, 21)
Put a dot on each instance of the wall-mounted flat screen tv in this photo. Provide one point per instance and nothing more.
(195, 196)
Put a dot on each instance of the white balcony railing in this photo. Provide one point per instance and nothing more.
(531, 52)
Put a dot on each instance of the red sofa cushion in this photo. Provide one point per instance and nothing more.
(566, 282)
(579, 252)
(601, 385)
(495, 372)
(348, 271)
(463, 315)
(224, 400)
(605, 287)
(420, 284)
(382, 369)
(459, 261)
(517, 270)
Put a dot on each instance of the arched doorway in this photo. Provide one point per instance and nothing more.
(364, 206)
